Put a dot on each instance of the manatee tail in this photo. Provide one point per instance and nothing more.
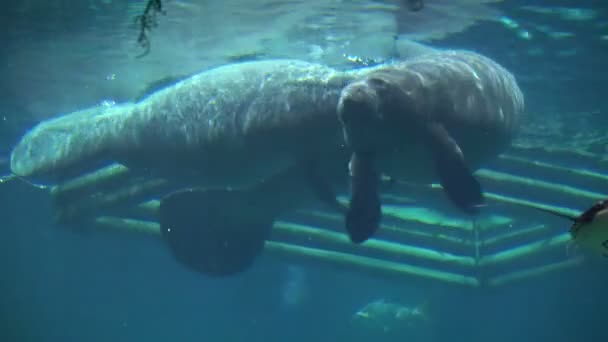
(221, 232)
(215, 232)
(65, 146)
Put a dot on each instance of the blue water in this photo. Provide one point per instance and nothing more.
(62, 285)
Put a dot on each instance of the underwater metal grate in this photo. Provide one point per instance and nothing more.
(414, 242)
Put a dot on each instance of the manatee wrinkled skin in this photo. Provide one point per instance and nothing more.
(255, 116)
(262, 138)
(477, 100)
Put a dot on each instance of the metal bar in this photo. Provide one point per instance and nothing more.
(150, 208)
(583, 173)
(365, 264)
(531, 204)
(524, 148)
(396, 250)
(301, 253)
(110, 176)
(525, 250)
(504, 238)
(120, 200)
(540, 184)
(533, 272)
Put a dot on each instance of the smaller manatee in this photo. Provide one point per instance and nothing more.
(422, 119)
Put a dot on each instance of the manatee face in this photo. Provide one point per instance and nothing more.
(378, 115)
(381, 117)
(358, 112)
(366, 114)
(375, 113)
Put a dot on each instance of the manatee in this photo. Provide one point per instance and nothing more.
(253, 116)
(439, 114)
(250, 140)
(254, 140)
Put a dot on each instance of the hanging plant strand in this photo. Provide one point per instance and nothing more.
(146, 22)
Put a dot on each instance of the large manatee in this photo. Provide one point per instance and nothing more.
(262, 138)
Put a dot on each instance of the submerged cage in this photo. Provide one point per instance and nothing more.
(501, 246)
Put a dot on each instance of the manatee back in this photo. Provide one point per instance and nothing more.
(257, 116)
(475, 98)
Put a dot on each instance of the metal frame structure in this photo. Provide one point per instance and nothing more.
(414, 241)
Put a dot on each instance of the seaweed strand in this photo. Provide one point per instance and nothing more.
(146, 22)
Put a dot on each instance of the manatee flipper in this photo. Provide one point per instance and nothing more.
(455, 177)
(215, 232)
(364, 214)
